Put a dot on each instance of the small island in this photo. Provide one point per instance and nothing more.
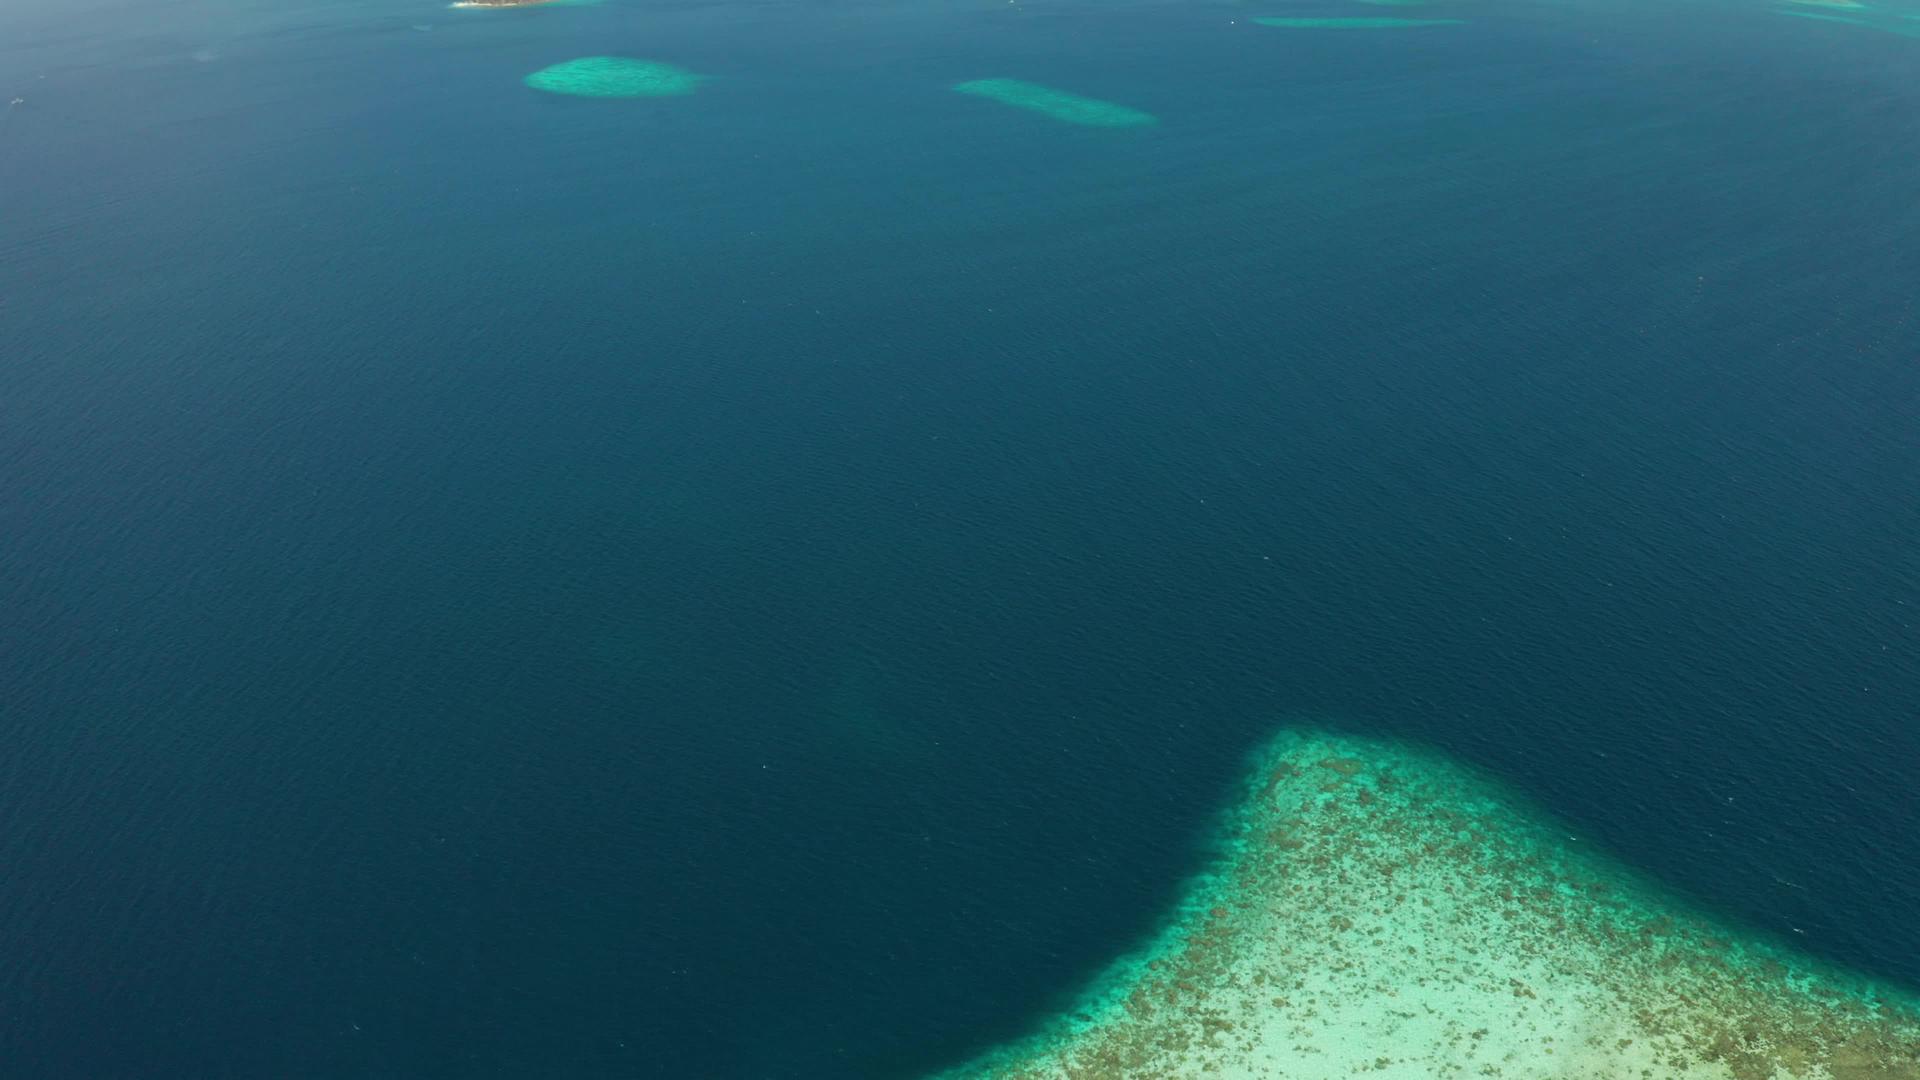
(499, 3)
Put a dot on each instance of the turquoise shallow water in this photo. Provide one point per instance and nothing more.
(779, 581)
(1055, 104)
(1342, 22)
(1375, 909)
(614, 77)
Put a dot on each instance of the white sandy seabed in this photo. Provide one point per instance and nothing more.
(1380, 912)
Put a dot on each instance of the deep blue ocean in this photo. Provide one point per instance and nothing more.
(776, 583)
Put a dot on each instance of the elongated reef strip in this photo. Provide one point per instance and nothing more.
(1057, 104)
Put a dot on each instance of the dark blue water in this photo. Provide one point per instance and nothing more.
(774, 583)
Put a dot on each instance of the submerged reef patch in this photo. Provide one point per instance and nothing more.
(497, 4)
(1858, 15)
(1819, 17)
(615, 77)
(1354, 23)
(1057, 104)
(1377, 910)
